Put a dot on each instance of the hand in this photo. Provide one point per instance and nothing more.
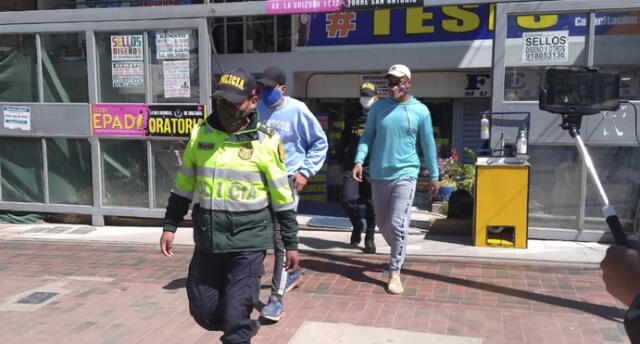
(621, 272)
(292, 260)
(434, 186)
(166, 243)
(341, 170)
(357, 172)
(299, 181)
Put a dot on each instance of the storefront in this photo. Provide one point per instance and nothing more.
(74, 160)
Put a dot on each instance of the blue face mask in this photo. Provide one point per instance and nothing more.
(270, 97)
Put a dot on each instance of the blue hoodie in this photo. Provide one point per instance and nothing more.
(390, 135)
(305, 142)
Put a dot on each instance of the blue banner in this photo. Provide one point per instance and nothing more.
(443, 24)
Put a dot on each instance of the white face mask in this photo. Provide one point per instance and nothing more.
(366, 102)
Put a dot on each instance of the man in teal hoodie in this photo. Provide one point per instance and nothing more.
(394, 126)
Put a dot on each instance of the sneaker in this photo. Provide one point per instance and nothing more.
(293, 279)
(273, 309)
(395, 284)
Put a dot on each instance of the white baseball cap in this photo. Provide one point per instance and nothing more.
(399, 70)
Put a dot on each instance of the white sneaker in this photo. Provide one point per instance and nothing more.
(395, 284)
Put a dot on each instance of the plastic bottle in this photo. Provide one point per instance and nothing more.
(521, 142)
(484, 128)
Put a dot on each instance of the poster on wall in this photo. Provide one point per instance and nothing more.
(127, 74)
(172, 45)
(16, 117)
(144, 120)
(176, 79)
(545, 47)
(118, 119)
(127, 48)
(172, 120)
(380, 81)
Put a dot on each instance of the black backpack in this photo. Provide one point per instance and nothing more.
(460, 205)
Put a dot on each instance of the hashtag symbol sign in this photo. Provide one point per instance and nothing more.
(339, 24)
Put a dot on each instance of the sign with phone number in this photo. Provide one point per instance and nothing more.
(549, 46)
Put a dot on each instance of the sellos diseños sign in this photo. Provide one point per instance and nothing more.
(310, 6)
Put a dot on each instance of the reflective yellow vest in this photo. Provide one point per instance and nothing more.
(234, 178)
(243, 171)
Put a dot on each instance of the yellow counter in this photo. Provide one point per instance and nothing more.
(500, 216)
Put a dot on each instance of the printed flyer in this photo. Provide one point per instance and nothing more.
(172, 45)
(176, 79)
(127, 74)
(127, 48)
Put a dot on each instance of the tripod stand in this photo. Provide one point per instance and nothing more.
(572, 124)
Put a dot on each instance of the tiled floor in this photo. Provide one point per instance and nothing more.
(130, 293)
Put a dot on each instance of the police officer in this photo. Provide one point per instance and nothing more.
(354, 192)
(234, 167)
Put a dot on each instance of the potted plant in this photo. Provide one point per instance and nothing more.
(447, 186)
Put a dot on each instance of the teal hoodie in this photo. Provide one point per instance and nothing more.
(390, 136)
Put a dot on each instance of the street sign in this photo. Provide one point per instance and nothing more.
(311, 6)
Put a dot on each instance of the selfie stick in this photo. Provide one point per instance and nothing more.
(572, 124)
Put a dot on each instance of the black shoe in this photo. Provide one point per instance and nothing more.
(369, 242)
(356, 237)
(356, 234)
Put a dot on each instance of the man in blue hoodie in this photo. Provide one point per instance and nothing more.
(306, 145)
(394, 126)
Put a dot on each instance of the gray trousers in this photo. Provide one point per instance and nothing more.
(279, 280)
(392, 200)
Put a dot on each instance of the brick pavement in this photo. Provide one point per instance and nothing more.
(130, 294)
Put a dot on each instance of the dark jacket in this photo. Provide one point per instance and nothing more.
(348, 143)
(632, 321)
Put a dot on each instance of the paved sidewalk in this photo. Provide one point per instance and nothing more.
(127, 293)
(460, 247)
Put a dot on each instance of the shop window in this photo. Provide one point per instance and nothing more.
(18, 68)
(536, 41)
(283, 33)
(174, 66)
(70, 4)
(21, 170)
(618, 171)
(69, 166)
(617, 37)
(17, 5)
(121, 71)
(125, 180)
(554, 188)
(167, 158)
(64, 67)
(256, 34)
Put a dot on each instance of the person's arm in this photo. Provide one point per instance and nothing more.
(621, 275)
(179, 199)
(315, 140)
(428, 144)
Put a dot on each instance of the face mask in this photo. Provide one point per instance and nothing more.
(398, 91)
(366, 102)
(270, 97)
(229, 115)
